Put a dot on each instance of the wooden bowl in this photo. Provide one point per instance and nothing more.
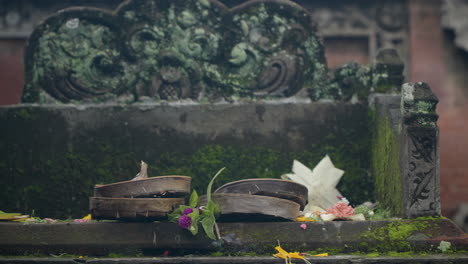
(278, 188)
(161, 186)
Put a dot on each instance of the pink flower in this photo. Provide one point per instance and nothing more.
(185, 221)
(304, 226)
(341, 210)
(50, 220)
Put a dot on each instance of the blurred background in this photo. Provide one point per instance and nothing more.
(431, 36)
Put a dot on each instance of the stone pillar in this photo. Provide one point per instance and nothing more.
(419, 151)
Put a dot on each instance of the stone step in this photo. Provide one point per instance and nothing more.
(342, 259)
(97, 238)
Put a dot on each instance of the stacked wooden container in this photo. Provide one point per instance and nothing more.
(141, 199)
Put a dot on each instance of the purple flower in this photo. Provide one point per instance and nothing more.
(188, 211)
(185, 221)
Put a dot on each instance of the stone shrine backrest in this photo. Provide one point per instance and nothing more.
(191, 86)
(198, 49)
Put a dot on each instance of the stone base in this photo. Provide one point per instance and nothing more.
(103, 238)
(344, 259)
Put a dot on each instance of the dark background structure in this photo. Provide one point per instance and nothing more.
(431, 36)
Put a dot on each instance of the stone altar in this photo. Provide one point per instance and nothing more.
(192, 86)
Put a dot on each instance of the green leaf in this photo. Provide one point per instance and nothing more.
(193, 199)
(208, 189)
(195, 216)
(211, 206)
(208, 223)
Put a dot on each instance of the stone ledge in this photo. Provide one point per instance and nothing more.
(343, 259)
(102, 238)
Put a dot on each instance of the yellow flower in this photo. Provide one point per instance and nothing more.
(88, 217)
(287, 256)
(304, 219)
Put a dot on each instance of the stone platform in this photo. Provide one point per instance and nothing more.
(343, 259)
(103, 238)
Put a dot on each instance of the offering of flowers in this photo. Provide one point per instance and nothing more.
(189, 216)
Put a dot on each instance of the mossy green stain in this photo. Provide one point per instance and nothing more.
(385, 166)
(25, 114)
(395, 236)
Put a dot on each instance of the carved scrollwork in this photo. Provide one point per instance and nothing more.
(174, 80)
(174, 49)
(420, 150)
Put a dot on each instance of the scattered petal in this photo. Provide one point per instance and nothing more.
(304, 226)
(81, 220)
(88, 217)
(287, 256)
(304, 219)
(328, 217)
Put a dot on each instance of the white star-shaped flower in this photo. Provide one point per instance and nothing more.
(321, 183)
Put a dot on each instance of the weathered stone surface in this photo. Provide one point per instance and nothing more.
(405, 157)
(171, 50)
(385, 157)
(344, 259)
(53, 155)
(420, 151)
(101, 238)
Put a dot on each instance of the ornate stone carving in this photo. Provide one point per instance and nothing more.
(419, 150)
(171, 50)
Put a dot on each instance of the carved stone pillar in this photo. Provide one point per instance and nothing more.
(419, 151)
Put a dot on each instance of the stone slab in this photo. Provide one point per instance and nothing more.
(343, 259)
(51, 156)
(102, 238)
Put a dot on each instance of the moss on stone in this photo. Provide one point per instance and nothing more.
(62, 185)
(396, 236)
(385, 166)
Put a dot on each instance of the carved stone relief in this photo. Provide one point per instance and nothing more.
(419, 151)
(172, 50)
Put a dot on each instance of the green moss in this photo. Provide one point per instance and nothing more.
(62, 185)
(25, 114)
(396, 236)
(385, 165)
